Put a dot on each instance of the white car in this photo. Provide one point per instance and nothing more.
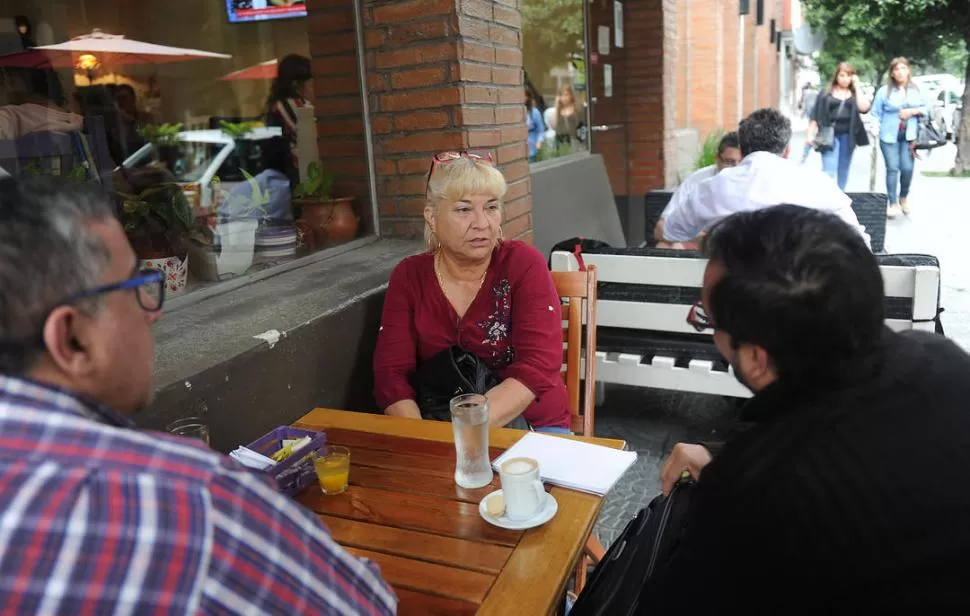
(204, 155)
(947, 108)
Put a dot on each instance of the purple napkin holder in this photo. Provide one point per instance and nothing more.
(295, 473)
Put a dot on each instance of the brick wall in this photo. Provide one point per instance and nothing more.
(731, 114)
(714, 86)
(444, 75)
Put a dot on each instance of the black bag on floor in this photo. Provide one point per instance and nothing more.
(613, 589)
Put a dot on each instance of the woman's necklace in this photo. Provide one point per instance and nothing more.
(441, 280)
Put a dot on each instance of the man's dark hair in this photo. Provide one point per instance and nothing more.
(765, 130)
(47, 254)
(124, 87)
(801, 284)
(729, 140)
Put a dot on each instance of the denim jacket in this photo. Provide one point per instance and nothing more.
(886, 108)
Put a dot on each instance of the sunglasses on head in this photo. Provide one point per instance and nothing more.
(444, 158)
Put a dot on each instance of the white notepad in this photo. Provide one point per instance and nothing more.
(572, 464)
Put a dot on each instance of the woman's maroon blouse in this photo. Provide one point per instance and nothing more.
(514, 325)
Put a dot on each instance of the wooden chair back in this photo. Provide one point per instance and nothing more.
(577, 290)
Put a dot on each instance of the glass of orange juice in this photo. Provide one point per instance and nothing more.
(333, 469)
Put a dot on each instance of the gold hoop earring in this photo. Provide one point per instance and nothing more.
(501, 233)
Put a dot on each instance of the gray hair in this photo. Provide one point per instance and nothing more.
(765, 130)
(47, 254)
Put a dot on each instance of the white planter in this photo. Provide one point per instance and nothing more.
(175, 270)
(231, 256)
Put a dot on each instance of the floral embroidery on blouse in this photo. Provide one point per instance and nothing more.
(498, 325)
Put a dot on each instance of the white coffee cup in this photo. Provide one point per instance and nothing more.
(521, 488)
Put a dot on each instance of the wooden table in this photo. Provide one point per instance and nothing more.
(404, 511)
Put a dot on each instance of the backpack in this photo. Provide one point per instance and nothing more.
(648, 541)
(577, 246)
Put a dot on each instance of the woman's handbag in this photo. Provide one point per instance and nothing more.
(452, 372)
(825, 139)
(930, 135)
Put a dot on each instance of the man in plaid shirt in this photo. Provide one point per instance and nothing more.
(97, 517)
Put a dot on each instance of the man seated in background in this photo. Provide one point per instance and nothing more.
(728, 155)
(848, 493)
(99, 517)
(764, 178)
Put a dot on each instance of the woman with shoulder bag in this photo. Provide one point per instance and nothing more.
(837, 123)
(898, 107)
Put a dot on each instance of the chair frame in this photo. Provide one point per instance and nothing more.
(579, 291)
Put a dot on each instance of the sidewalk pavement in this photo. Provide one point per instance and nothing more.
(937, 226)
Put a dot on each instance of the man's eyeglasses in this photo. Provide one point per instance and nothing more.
(148, 284)
(698, 317)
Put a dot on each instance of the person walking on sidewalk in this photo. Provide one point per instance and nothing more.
(837, 125)
(898, 106)
(807, 108)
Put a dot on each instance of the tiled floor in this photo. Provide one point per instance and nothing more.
(651, 421)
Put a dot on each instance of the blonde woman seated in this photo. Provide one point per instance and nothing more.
(473, 290)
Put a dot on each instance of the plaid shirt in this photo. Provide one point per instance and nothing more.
(98, 518)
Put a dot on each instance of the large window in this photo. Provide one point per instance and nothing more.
(175, 108)
(554, 57)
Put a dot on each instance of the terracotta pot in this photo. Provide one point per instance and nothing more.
(330, 222)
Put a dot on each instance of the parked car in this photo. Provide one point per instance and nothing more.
(947, 107)
(203, 156)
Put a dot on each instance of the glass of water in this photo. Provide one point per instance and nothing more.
(191, 427)
(469, 420)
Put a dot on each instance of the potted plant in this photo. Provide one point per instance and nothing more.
(328, 220)
(157, 219)
(165, 142)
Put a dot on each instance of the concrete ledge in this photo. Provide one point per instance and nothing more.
(317, 326)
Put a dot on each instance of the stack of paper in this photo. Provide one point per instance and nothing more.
(571, 464)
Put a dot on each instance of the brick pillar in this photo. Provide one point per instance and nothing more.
(337, 101)
(444, 75)
(639, 152)
(651, 93)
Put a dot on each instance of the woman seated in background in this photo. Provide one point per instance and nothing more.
(473, 290)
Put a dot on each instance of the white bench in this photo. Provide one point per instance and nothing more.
(643, 337)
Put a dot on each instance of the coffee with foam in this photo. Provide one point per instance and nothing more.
(519, 466)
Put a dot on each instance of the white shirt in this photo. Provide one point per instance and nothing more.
(761, 180)
(687, 188)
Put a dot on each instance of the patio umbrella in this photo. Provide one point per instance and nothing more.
(88, 51)
(259, 72)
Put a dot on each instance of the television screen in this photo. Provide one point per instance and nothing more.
(260, 10)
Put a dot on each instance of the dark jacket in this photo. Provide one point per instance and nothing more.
(856, 127)
(843, 499)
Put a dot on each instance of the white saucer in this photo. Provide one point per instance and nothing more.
(546, 512)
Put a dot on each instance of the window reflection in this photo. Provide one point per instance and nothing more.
(196, 116)
(554, 57)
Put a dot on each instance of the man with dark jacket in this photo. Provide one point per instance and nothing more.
(849, 493)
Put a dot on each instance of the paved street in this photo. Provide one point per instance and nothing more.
(652, 421)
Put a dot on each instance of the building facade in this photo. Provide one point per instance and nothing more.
(271, 310)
